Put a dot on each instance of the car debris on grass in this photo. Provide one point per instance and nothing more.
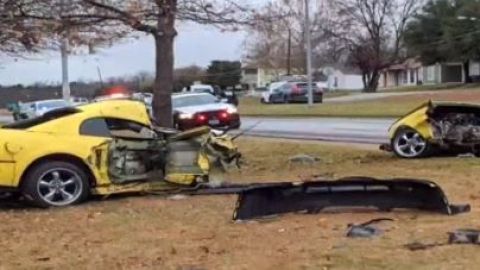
(457, 237)
(367, 229)
(347, 193)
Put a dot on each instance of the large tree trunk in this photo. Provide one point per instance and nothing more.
(372, 84)
(164, 66)
(466, 69)
(365, 80)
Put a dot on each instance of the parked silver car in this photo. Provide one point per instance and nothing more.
(38, 108)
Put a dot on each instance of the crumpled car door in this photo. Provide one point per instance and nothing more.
(99, 161)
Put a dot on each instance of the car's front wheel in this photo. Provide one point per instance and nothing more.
(408, 143)
(55, 184)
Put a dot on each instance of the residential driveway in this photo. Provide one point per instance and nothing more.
(372, 96)
(368, 131)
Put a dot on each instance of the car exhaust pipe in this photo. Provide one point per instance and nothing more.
(355, 192)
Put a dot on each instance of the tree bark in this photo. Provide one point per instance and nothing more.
(164, 66)
(364, 80)
(162, 88)
(372, 85)
(466, 68)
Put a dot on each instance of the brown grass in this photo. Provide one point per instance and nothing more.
(384, 107)
(197, 233)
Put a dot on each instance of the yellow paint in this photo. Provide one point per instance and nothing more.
(181, 178)
(204, 162)
(417, 120)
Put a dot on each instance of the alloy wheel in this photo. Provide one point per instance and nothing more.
(60, 186)
(410, 144)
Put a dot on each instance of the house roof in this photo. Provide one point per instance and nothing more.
(407, 64)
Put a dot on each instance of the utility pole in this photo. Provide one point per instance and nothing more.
(309, 53)
(65, 81)
(99, 72)
(289, 52)
(64, 54)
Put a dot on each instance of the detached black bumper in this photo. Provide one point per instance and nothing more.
(353, 192)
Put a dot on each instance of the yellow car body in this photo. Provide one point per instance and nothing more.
(416, 119)
(57, 137)
(432, 125)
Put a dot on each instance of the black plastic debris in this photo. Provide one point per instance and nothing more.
(459, 237)
(348, 193)
(367, 229)
(464, 236)
(416, 246)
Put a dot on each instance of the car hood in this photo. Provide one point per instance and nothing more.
(204, 108)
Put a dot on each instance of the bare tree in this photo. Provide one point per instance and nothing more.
(16, 34)
(186, 76)
(280, 43)
(53, 25)
(158, 18)
(372, 31)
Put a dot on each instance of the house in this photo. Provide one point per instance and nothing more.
(413, 72)
(255, 76)
(343, 78)
(339, 78)
(408, 73)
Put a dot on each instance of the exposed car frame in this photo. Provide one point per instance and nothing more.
(436, 126)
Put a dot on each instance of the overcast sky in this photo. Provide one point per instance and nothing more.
(194, 45)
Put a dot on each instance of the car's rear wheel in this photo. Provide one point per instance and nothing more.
(408, 143)
(56, 184)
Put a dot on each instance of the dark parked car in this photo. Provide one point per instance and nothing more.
(287, 92)
(194, 110)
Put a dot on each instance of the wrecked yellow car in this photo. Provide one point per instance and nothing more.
(104, 148)
(436, 126)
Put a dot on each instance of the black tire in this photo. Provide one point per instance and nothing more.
(285, 99)
(408, 143)
(37, 182)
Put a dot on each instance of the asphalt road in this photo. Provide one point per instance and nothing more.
(368, 131)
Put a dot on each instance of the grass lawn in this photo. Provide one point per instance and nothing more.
(439, 87)
(253, 107)
(154, 232)
(385, 107)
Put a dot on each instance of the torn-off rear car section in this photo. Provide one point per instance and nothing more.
(184, 159)
(443, 125)
(313, 197)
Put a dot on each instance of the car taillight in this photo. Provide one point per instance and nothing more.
(223, 115)
(201, 118)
